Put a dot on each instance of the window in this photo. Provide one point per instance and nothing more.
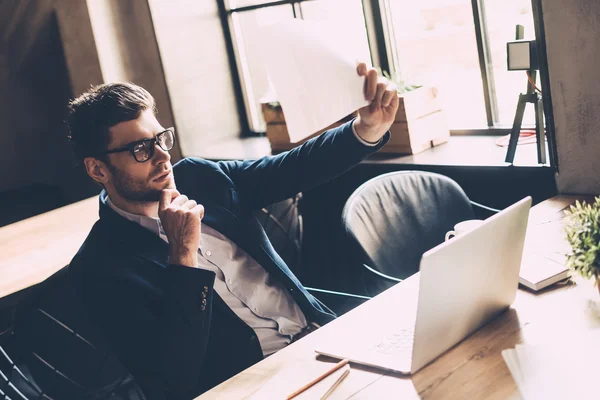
(459, 46)
(435, 44)
(500, 19)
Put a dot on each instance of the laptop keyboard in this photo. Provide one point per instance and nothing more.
(396, 343)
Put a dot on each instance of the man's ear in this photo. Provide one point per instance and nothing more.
(97, 169)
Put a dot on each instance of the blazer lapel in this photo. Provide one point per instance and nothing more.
(222, 220)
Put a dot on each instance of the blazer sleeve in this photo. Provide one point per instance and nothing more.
(159, 333)
(319, 160)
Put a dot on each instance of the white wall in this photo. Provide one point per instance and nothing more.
(194, 58)
(572, 37)
(128, 51)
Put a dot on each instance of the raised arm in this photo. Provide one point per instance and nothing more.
(323, 158)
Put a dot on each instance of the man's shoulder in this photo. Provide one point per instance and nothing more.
(105, 253)
(97, 246)
(195, 164)
(191, 171)
(105, 243)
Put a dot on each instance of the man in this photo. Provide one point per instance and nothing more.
(177, 273)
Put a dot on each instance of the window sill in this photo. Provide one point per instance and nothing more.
(475, 151)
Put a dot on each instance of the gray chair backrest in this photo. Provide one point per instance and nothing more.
(282, 223)
(392, 219)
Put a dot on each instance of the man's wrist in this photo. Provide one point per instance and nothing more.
(186, 258)
(364, 134)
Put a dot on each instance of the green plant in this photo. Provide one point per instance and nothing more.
(400, 81)
(583, 235)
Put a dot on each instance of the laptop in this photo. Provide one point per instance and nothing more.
(462, 284)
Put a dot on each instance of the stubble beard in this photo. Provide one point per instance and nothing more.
(137, 190)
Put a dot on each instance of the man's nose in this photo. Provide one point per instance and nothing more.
(161, 155)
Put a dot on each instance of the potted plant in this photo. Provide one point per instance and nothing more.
(583, 235)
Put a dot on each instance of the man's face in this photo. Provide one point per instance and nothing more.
(132, 180)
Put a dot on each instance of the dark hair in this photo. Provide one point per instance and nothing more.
(92, 114)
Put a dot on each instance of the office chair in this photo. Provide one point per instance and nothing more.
(392, 219)
(49, 350)
(282, 223)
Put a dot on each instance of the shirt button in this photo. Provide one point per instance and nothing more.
(229, 281)
(256, 309)
(208, 253)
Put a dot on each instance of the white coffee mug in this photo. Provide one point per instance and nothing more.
(464, 227)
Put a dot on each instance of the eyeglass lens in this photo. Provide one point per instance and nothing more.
(145, 150)
(166, 140)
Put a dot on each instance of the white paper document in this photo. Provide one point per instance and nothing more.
(561, 370)
(314, 78)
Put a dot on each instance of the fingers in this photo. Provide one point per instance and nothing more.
(378, 90)
(179, 201)
(395, 100)
(188, 205)
(371, 85)
(389, 95)
(362, 69)
(166, 197)
(199, 209)
(381, 87)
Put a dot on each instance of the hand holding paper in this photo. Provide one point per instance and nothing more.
(375, 119)
(317, 83)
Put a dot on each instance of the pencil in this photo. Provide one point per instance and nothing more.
(337, 383)
(319, 378)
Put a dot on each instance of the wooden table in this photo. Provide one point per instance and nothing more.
(474, 369)
(35, 248)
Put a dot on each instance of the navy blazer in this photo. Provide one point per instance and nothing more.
(168, 326)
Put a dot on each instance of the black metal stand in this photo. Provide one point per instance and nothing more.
(536, 99)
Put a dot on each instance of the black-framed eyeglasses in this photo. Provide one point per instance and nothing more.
(143, 150)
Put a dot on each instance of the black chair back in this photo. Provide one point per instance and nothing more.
(392, 219)
(53, 351)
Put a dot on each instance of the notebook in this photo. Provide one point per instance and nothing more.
(544, 256)
(538, 272)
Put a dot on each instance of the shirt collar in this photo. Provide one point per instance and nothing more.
(153, 224)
